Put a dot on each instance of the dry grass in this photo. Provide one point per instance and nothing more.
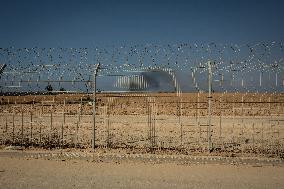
(241, 123)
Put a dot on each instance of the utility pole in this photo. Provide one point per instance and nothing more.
(209, 105)
(97, 67)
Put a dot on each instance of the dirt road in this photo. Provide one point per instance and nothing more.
(19, 172)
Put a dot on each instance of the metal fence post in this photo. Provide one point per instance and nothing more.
(209, 106)
(94, 105)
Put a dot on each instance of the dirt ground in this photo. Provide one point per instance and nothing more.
(237, 104)
(242, 123)
(29, 173)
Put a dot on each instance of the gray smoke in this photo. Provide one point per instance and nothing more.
(149, 80)
(159, 80)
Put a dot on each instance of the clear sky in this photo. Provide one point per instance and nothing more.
(83, 23)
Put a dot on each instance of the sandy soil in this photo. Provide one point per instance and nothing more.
(242, 123)
(38, 173)
(262, 135)
(166, 104)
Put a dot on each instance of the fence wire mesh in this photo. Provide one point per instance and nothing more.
(188, 97)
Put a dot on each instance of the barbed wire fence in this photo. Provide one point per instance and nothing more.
(188, 97)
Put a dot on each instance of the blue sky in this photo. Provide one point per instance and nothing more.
(70, 23)
(86, 23)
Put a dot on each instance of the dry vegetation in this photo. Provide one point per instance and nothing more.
(242, 123)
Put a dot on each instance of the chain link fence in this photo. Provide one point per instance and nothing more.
(184, 97)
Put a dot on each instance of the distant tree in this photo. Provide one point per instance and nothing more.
(49, 88)
(62, 89)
